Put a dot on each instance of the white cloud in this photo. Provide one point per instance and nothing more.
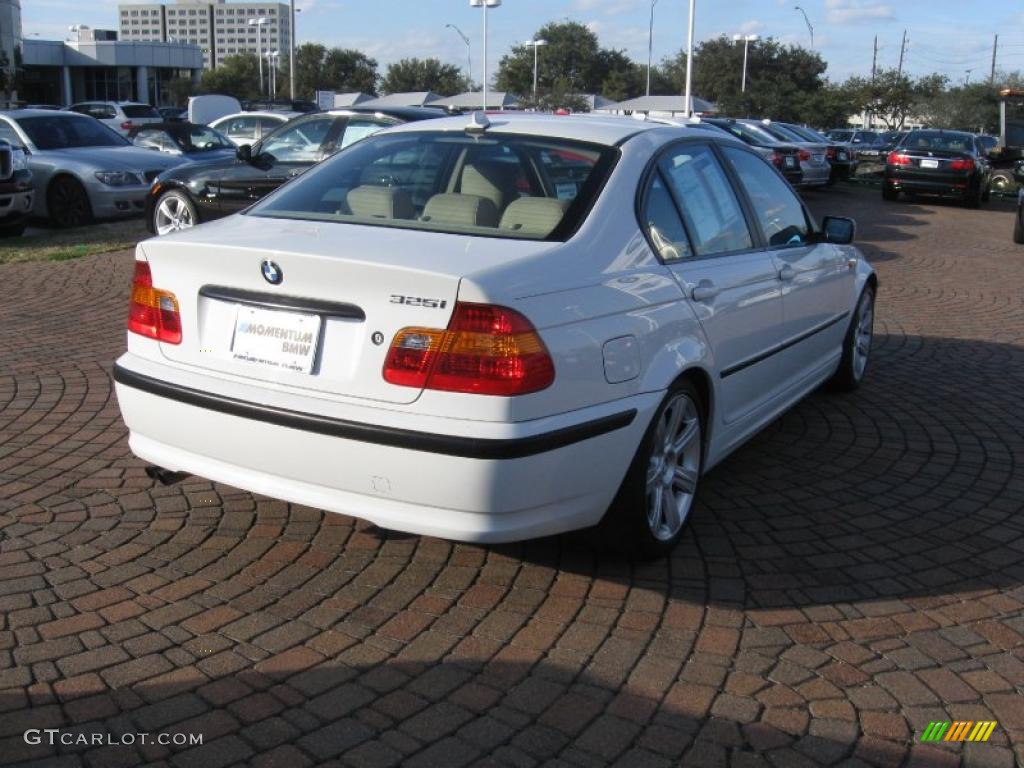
(607, 7)
(847, 11)
(751, 27)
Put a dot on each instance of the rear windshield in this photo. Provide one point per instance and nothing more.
(840, 135)
(67, 131)
(783, 132)
(140, 110)
(752, 134)
(530, 188)
(954, 142)
(809, 133)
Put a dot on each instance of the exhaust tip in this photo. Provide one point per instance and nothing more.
(165, 476)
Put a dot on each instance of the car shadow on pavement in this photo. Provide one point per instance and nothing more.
(600, 696)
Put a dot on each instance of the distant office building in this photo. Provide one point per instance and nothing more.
(219, 28)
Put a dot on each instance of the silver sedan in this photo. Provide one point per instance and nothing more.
(81, 168)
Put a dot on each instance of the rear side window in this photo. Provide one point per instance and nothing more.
(777, 208)
(662, 222)
(712, 213)
(140, 110)
(102, 111)
(495, 185)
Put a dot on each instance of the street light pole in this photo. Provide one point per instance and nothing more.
(536, 44)
(807, 22)
(747, 40)
(258, 23)
(689, 63)
(650, 46)
(291, 54)
(485, 4)
(469, 52)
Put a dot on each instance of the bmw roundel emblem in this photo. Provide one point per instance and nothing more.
(272, 273)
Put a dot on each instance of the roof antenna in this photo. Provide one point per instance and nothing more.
(478, 123)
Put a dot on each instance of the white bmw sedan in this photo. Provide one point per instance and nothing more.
(495, 328)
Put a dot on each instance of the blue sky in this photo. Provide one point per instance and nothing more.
(949, 36)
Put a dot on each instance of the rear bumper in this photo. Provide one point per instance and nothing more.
(16, 197)
(945, 185)
(816, 175)
(462, 482)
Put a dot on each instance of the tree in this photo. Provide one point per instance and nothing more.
(890, 97)
(782, 80)
(236, 76)
(179, 89)
(318, 68)
(424, 75)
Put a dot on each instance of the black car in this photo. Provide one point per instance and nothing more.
(173, 114)
(886, 143)
(937, 162)
(187, 140)
(785, 157)
(200, 191)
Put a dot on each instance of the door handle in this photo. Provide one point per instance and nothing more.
(787, 273)
(705, 290)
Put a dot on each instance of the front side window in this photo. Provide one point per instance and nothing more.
(712, 213)
(65, 132)
(776, 207)
(240, 127)
(298, 143)
(359, 128)
(154, 139)
(454, 183)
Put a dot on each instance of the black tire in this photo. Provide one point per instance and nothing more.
(628, 526)
(853, 367)
(890, 194)
(1018, 227)
(67, 203)
(14, 230)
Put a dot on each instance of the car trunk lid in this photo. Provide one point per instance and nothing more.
(312, 306)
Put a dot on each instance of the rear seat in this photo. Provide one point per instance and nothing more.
(461, 210)
(535, 216)
(380, 202)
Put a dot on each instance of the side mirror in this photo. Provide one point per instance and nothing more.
(244, 153)
(838, 230)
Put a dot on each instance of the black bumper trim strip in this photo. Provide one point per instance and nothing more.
(782, 347)
(278, 301)
(448, 445)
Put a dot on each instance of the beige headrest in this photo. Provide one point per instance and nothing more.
(463, 210)
(495, 181)
(380, 202)
(534, 215)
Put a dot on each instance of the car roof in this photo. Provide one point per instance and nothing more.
(609, 130)
(404, 113)
(60, 113)
(176, 126)
(285, 116)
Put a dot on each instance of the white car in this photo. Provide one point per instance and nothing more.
(247, 128)
(121, 116)
(494, 329)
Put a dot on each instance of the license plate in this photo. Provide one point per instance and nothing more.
(929, 163)
(275, 339)
(791, 162)
(842, 155)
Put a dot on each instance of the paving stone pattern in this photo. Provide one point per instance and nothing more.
(853, 573)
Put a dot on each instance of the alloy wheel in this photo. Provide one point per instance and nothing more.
(674, 467)
(863, 333)
(173, 214)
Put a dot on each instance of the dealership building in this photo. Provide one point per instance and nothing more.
(63, 72)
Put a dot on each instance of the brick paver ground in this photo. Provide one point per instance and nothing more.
(852, 574)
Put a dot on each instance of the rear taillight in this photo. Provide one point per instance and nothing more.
(962, 164)
(830, 153)
(804, 155)
(126, 125)
(777, 159)
(153, 313)
(485, 350)
(896, 158)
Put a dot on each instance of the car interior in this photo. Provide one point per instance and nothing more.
(523, 189)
